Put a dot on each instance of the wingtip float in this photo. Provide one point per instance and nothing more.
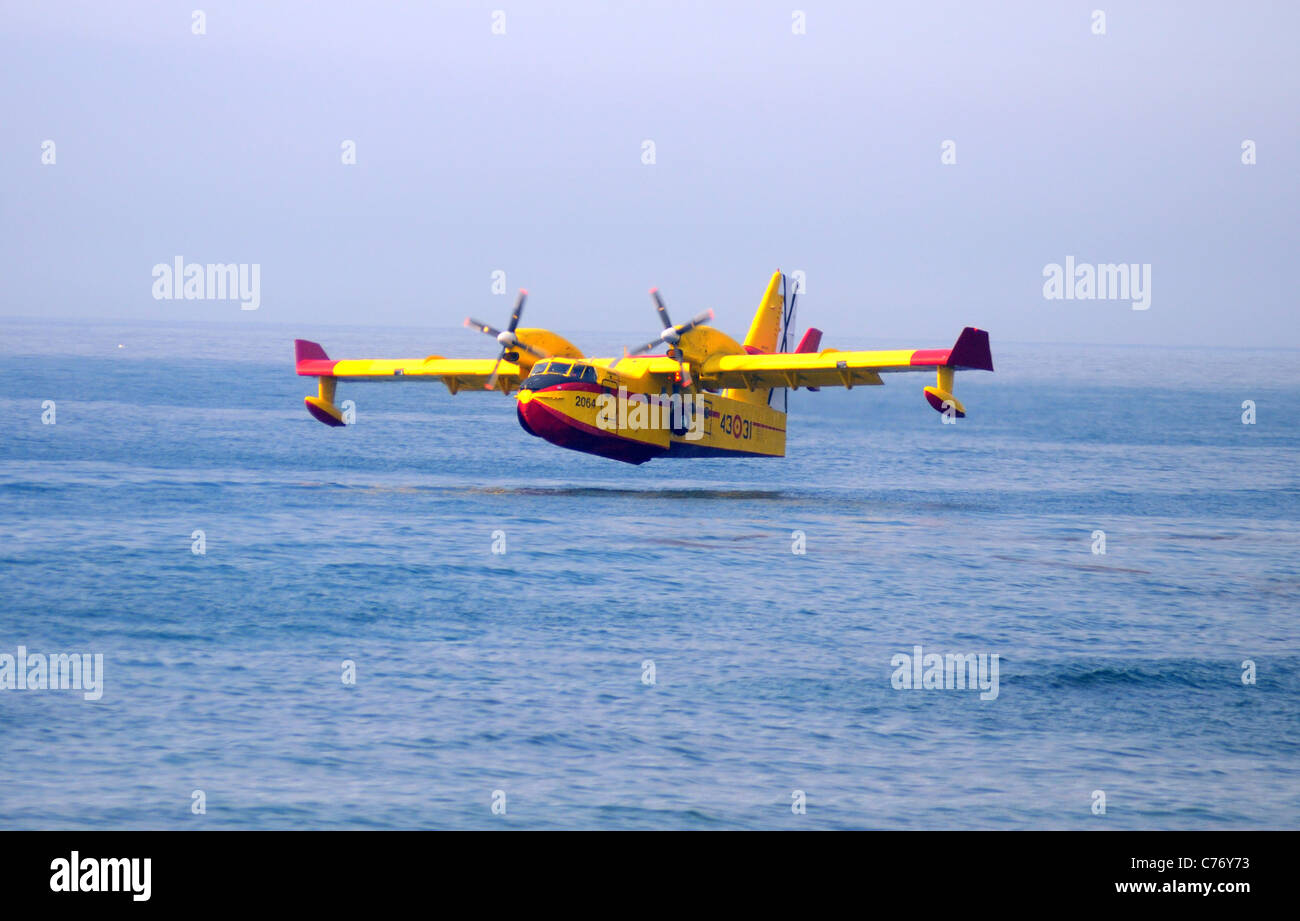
(706, 395)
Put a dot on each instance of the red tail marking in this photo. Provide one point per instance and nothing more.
(811, 341)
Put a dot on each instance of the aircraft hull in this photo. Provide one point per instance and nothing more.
(596, 420)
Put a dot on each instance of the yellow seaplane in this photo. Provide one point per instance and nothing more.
(707, 395)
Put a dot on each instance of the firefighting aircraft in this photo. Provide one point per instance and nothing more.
(706, 396)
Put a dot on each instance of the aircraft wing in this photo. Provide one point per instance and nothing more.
(456, 373)
(832, 368)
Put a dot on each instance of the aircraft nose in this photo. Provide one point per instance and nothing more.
(534, 416)
(525, 400)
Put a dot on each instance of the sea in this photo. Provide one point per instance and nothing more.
(431, 619)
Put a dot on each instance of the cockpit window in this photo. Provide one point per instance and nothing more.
(576, 370)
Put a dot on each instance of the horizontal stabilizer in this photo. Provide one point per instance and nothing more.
(811, 342)
(808, 345)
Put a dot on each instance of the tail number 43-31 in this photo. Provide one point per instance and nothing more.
(735, 426)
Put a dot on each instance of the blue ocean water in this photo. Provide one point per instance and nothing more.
(523, 672)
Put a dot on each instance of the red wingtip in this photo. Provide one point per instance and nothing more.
(523, 291)
(310, 360)
(654, 290)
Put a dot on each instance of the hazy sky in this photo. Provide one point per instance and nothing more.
(523, 152)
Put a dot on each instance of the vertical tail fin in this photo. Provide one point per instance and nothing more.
(765, 331)
(764, 334)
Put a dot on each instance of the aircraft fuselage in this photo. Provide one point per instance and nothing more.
(583, 406)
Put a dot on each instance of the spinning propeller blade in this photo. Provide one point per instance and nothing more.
(492, 378)
(662, 310)
(519, 308)
(482, 327)
(670, 337)
(507, 338)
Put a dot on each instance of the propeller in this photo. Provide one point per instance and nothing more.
(670, 336)
(506, 337)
